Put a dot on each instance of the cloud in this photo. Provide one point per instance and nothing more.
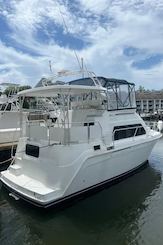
(93, 6)
(111, 35)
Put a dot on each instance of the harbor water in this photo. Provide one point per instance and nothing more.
(130, 212)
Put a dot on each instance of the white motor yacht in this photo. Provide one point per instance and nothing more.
(95, 137)
(9, 117)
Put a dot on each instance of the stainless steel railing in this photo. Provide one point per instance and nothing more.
(63, 133)
(152, 125)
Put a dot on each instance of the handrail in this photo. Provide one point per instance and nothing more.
(66, 126)
(152, 125)
(62, 124)
(74, 73)
(69, 126)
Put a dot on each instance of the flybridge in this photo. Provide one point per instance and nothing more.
(116, 94)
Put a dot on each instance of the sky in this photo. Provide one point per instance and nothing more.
(117, 39)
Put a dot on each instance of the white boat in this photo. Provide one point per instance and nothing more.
(160, 125)
(9, 118)
(10, 128)
(95, 137)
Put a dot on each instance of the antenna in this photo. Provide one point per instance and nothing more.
(50, 66)
(77, 58)
(67, 30)
(82, 66)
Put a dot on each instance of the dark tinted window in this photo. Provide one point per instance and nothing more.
(127, 131)
(140, 131)
(8, 107)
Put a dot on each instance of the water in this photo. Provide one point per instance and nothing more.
(130, 212)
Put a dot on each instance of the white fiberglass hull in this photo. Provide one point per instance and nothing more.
(110, 166)
(9, 127)
(89, 170)
(9, 136)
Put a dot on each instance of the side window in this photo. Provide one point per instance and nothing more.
(140, 131)
(127, 131)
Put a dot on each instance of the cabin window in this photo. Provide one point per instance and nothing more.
(6, 107)
(140, 131)
(127, 131)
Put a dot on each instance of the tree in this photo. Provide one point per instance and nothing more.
(141, 89)
(15, 89)
(24, 87)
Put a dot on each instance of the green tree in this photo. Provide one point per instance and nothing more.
(24, 87)
(15, 89)
(141, 89)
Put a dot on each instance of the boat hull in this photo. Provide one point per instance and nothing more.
(95, 173)
(80, 194)
(110, 165)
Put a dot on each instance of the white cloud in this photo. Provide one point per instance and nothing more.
(95, 6)
(108, 25)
